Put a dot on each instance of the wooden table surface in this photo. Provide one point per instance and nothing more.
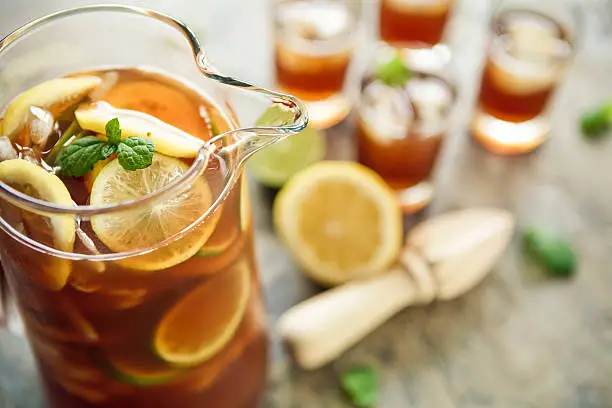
(518, 340)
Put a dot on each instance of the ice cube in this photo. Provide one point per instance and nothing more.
(386, 112)
(39, 126)
(316, 21)
(529, 38)
(109, 80)
(30, 155)
(432, 99)
(7, 151)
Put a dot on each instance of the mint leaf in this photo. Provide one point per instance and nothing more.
(551, 250)
(107, 150)
(135, 153)
(597, 122)
(393, 72)
(80, 156)
(361, 385)
(113, 131)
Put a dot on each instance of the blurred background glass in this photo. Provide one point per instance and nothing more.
(530, 47)
(313, 48)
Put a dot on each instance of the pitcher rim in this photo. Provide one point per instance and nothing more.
(43, 207)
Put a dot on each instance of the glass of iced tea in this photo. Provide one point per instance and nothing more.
(420, 23)
(531, 45)
(404, 114)
(313, 47)
(126, 232)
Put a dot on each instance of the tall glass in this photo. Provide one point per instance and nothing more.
(313, 48)
(177, 322)
(531, 45)
(401, 128)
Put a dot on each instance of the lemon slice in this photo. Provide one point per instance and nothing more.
(205, 320)
(340, 220)
(91, 175)
(168, 139)
(57, 231)
(131, 367)
(55, 96)
(234, 221)
(150, 224)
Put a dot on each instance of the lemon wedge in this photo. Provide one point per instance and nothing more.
(205, 320)
(168, 139)
(57, 231)
(54, 96)
(340, 220)
(149, 224)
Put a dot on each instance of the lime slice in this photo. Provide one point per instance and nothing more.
(57, 231)
(131, 368)
(276, 164)
(168, 139)
(234, 221)
(340, 220)
(55, 96)
(205, 320)
(148, 225)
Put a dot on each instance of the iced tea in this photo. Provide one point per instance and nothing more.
(181, 325)
(527, 59)
(401, 129)
(416, 22)
(313, 49)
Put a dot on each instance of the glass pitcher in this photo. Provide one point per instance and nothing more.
(137, 286)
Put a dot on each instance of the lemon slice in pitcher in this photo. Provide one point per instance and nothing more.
(205, 320)
(168, 139)
(149, 224)
(57, 231)
(340, 220)
(55, 95)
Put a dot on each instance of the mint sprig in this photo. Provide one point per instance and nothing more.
(598, 121)
(361, 386)
(550, 248)
(135, 153)
(394, 72)
(79, 157)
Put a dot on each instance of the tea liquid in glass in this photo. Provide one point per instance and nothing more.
(401, 129)
(526, 61)
(313, 48)
(416, 22)
(126, 333)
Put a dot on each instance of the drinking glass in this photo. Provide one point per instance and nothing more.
(401, 128)
(314, 42)
(531, 45)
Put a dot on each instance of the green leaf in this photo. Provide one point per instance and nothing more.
(551, 250)
(80, 156)
(113, 131)
(135, 153)
(596, 122)
(108, 149)
(393, 72)
(361, 385)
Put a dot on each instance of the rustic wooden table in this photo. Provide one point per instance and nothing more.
(517, 340)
